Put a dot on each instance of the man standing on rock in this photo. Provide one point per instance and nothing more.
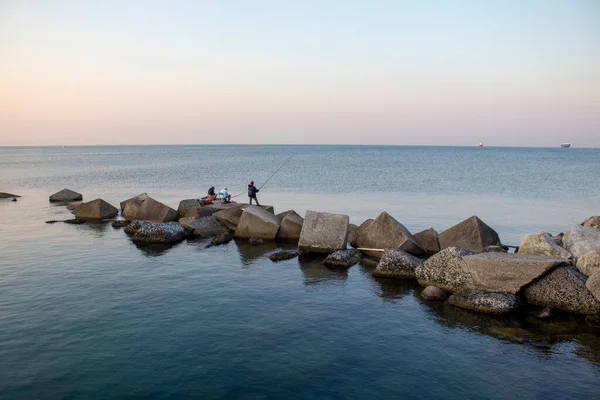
(252, 190)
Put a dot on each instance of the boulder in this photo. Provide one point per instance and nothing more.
(4, 195)
(434, 293)
(352, 235)
(96, 209)
(581, 239)
(291, 225)
(229, 217)
(144, 207)
(396, 263)
(593, 285)
(343, 258)
(282, 255)
(66, 195)
(542, 244)
(255, 222)
(444, 270)
(385, 232)
(545, 313)
(160, 232)
(193, 208)
(495, 249)
(589, 263)
(563, 289)
(121, 223)
(323, 232)
(222, 238)
(592, 222)
(490, 303)
(134, 226)
(471, 234)
(505, 273)
(428, 240)
(254, 241)
(203, 227)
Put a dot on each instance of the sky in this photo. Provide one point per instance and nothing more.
(508, 73)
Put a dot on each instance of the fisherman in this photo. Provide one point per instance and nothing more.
(211, 193)
(225, 196)
(252, 190)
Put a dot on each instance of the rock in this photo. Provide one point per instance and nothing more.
(505, 273)
(256, 222)
(563, 289)
(74, 221)
(283, 255)
(66, 195)
(495, 249)
(558, 239)
(72, 207)
(343, 258)
(291, 225)
(471, 234)
(134, 226)
(542, 244)
(546, 313)
(491, 303)
(589, 263)
(385, 232)
(192, 208)
(229, 217)
(4, 195)
(593, 320)
(160, 232)
(121, 223)
(434, 293)
(95, 209)
(593, 285)
(592, 222)
(580, 240)
(444, 270)
(145, 208)
(323, 232)
(396, 263)
(254, 241)
(14, 199)
(353, 235)
(203, 227)
(428, 240)
(222, 238)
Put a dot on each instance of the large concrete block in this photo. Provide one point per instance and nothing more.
(256, 222)
(291, 225)
(471, 234)
(385, 232)
(145, 208)
(95, 209)
(323, 232)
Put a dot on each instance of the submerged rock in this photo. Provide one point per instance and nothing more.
(203, 227)
(581, 239)
(343, 258)
(4, 195)
(385, 232)
(444, 270)
(144, 207)
(589, 263)
(545, 313)
(471, 234)
(434, 293)
(14, 199)
(256, 222)
(592, 222)
(542, 244)
(222, 238)
(254, 241)
(134, 226)
(65, 195)
(396, 263)
(563, 289)
(74, 221)
(95, 209)
(323, 232)
(160, 232)
(490, 303)
(429, 240)
(291, 225)
(121, 223)
(282, 255)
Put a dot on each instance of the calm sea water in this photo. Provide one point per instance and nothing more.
(84, 313)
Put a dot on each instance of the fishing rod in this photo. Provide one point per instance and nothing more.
(272, 175)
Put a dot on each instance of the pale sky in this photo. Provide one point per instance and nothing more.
(509, 73)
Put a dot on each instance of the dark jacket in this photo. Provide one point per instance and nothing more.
(211, 191)
(252, 190)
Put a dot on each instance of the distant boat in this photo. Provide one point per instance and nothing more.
(565, 145)
(480, 144)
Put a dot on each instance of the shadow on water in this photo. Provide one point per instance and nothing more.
(387, 289)
(155, 249)
(317, 274)
(250, 253)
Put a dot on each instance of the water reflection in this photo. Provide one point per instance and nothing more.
(154, 250)
(317, 274)
(250, 253)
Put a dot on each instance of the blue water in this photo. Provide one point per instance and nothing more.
(84, 313)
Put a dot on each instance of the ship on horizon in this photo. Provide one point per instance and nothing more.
(565, 145)
(480, 144)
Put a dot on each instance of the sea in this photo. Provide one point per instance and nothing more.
(85, 313)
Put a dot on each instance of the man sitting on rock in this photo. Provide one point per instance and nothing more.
(225, 196)
(252, 190)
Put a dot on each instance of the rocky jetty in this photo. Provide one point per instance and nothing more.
(65, 196)
(96, 210)
(159, 232)
(343, 258)
(385, 232)
(144, 207)
(471, 234)
(396, 263)
(323, 232)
